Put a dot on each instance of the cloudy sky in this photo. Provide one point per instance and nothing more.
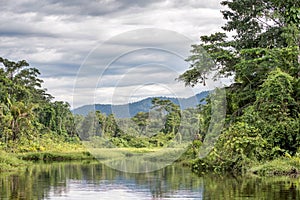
(107, 51)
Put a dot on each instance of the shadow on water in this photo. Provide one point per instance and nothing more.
(92, 180)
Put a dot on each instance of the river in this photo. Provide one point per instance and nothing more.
(92, 180)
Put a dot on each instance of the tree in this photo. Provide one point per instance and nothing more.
(276, 113)
(142, 120)
(88, 126)
(266, 37)
(190, 124)
(263, 55)
(22, 82)
(101, 120)
(265, 29)
(26, 110)
(111, 128)
(173, 116)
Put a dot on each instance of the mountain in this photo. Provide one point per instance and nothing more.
(131, 109)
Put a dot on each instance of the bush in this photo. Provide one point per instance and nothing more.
(9, 162)
(278, 167)
(237, 148)
(139, 142)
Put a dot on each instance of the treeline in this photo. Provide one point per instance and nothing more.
(263, 103)
(30, 119)
(28, 114)
(164, 125)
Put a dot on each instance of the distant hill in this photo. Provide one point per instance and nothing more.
(131, 109)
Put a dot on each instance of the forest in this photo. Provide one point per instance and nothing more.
(259, 47)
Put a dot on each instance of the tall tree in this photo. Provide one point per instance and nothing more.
(142, 120)
(265, 37)
(26, 110)
(173, 116)
(259, 47)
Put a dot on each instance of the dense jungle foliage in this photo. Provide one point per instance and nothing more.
(164, 125)
(32, 121)
(260, 49)
(29, 119)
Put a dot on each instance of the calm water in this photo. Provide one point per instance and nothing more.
(96, 181)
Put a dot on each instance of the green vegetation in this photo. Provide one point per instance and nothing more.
(30, 121)
(27, 114)
(163, 126)
(10, 163)
(279, 167)
(55, 156)
(263, 103)
(262, 129)
(35, 127)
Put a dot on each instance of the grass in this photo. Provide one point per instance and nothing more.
(279, 167)
(50, 149)
(284, 166)
(118, 153)
(135, 160)
(9, 162)
(15, 159)
(157, 154)
(55, 156)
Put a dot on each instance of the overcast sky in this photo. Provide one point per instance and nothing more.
(111, 51)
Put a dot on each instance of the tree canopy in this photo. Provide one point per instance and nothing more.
(27, 112)
(259, 47)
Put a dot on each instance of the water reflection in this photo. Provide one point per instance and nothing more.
(96, 181)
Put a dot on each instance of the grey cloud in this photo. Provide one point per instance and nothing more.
(73, 7)
(56, 37)
(23, 33)
(197, 3)
(14, 26)
(96, 7)
(57, 69)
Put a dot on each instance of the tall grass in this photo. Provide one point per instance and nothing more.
(9, 162)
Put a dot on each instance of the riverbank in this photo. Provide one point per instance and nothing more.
(285, 166)
(15, 161)
(10, 162)
(55, 156)
(18, 158)
(282, 166)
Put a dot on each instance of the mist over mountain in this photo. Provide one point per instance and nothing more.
(131, 109)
